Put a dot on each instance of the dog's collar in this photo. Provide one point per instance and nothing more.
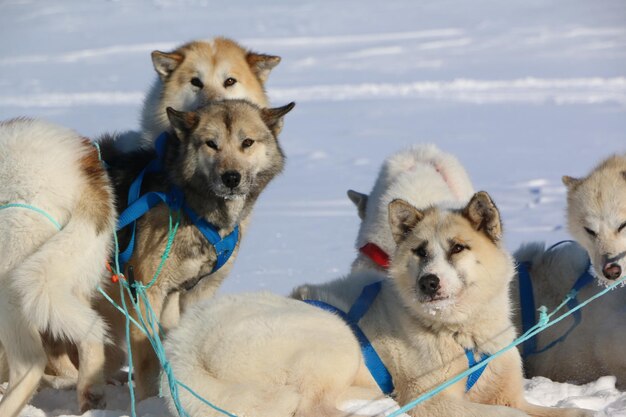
(376, 254)
(138, 205)
(527, 303)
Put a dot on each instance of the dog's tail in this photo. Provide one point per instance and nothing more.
(56, 282)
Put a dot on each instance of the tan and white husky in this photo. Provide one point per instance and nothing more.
(447, 291)
(596, 213)
(50, 268)
(195, 73)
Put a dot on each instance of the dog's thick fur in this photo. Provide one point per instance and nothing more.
(596, 216)
(264, 355)
(594, 348)
(204, 145)
(195, 73)
(596, 210)
(422, 175)
(48, 278)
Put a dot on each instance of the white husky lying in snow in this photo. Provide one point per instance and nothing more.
(447, 294)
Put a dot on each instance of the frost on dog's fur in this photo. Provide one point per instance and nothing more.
(596, 216)
(422, 175)
(265, 355)
(49, 277)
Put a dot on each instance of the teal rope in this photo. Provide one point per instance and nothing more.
(543, 324)
(35, 209)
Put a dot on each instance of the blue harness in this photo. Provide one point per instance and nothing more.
(527, 304)
(138, 205)
(372, 360)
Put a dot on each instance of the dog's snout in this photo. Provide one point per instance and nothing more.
(231, 179)
(429, 284)
(612, 270)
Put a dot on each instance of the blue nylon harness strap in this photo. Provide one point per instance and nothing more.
(527, 304)
(138, 205)
(473, 378)
(359, 308)
(373, 362)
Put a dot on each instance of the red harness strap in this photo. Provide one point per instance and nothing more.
(376, 254)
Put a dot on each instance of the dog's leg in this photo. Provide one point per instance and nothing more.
(145, 362)
(171, 311)
(4, 366)
(25, 355)
(90, 385)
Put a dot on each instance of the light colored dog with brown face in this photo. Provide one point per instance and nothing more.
(447, 291)
(202, 71)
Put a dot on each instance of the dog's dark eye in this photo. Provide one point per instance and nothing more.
(247, 143)
(230, 81)
(421, 251)
(197, 82)
(457, 248)
(621, 227)
(211, 144)
(591, 232)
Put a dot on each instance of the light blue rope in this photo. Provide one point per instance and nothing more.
(35, 209)
(544, 323)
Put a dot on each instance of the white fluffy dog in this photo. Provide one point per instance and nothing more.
(422, 175)
(50, 268)
(447, 294)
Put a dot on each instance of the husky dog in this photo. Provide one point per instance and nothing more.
(422, 175)
(221, 156)
(596, 216)
(187, 77)
(51, 267)
(596, 211)
(447, 291)
(195, 73)
(594, 347)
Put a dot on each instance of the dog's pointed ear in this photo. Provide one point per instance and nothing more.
(273, 118)
(570, 182)
(165, 63)
(360, 201)
(402, 219)
(183, 122)
(484, 216)
(262, 64)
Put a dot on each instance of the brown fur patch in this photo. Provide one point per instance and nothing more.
(96, 202)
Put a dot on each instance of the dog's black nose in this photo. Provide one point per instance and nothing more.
(429, 284)
(612, 271)
(231, 179)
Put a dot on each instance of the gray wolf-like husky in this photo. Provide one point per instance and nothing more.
(221, 156)
(447, 292)
(50, 268)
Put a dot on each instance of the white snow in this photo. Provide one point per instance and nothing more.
(521, 91)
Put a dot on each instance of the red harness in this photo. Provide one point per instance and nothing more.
(376, 254)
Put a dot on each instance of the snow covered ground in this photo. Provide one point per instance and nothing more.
(521, 91)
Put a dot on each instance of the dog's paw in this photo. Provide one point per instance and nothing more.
(91, 398)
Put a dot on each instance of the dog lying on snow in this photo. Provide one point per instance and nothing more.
(221, 156)
(49, 273)
(447, 291)
(596, 211)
